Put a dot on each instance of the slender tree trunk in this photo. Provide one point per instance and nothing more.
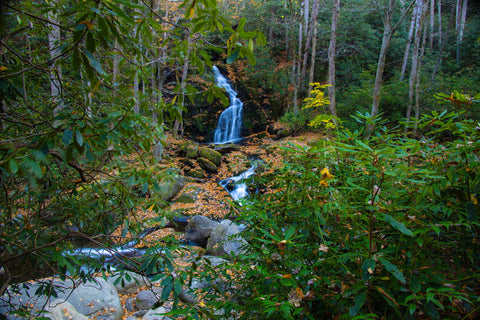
(409, 42)
(443, 41)
(331, 57)
(387, 36)
(310, 35)
(439, 15)
(178, 126)
(313, 58)
(417, 83)
(54, 42)
(432, 22)
(415, 69)
(461, 19)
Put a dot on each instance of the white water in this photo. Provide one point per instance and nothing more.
(230, 122)
(238, 190)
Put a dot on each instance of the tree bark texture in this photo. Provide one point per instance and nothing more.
(331, 57)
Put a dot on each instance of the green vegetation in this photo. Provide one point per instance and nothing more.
(378, 219)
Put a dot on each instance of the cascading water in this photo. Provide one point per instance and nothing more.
(230, 122)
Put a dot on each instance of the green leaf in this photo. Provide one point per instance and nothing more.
(90, 43)
(13, 166)
(76, 60)
(471, 211)
(393, 269)
(368, 268)
(94, 62)
(359, 301)
(67, 136)
(397, 225)
(233, 56)
(79, 138)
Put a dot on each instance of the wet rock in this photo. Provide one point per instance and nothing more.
(156, 314)
(63, 310)
(223, 240)
(128, 282)
(199, 228)
(226, 148)
(207, 165)
(146, 299)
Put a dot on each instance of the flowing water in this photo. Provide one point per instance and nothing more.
(230, 122)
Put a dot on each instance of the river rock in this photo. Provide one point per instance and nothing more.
(128, 282)
(207, 164)
(156, 314)
(222, 240)
(226, 148)
(213, 156)
(199, 228)
(147, 298)
(170, 185)
(63, 310)
(92, 299)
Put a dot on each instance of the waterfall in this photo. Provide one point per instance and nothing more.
(230, 122)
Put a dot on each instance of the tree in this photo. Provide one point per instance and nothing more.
(331, 57)
(64, 176)
(389, 30)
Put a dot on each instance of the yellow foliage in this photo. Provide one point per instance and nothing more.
(318, 98)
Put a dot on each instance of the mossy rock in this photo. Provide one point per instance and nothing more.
(189, 195)
(196, 173)
(207, 164)
(213, 156)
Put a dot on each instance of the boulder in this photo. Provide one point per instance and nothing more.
(223, 240)
(128, 282)
(156, 314)
(207, 164)
(62, 310)
(98, 298)
(226, 148)
(170, 185)
(213, 156)
(199, 228)
(146, 299)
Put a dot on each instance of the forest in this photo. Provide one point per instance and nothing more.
(361, 119)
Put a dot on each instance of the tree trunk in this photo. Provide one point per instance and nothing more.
(314, 53)
(308, 46)
(54, 42)
(417, 83)
(331, 57)
(443, 41)
(387, 36)
(409, 42)
(461, 11)
(178, 126)
(415, 69)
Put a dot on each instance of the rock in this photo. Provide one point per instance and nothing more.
(199, 228)
(207, 165)
(63, 310)
(90, 299)
(213, 156)
(129, 306)
(170, 185)
(226, 148)
(146, 299)
(196, 173)
(192, 151)
(128, 282)
(189, 195)
(156, 314)
(222, 240)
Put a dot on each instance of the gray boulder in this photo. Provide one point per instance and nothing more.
(199, 228)
(128, 282)
(224, 240)
(92, 299)
(63, 310)
(146, 299)
(156, 314)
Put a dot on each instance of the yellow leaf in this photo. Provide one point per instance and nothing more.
(3, 68)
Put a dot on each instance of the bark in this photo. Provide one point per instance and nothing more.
(178, 126)
(432, 22)
(461, 19)
(443, 41)
(387, 36)
(314, 53)
(331, 57)
(409, 42)
(415, 69)
(417, 84)
(439, 14)
(308, 45)
(54, 42)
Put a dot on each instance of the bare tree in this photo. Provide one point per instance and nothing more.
(388, 32)
(331, 57)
